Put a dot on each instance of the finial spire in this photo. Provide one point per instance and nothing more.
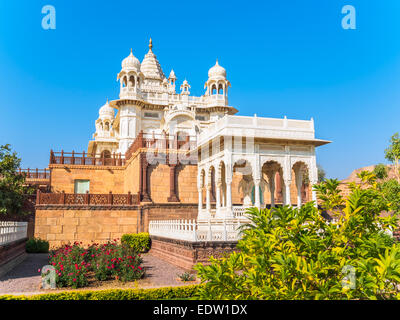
(131, 51)
(150, 44)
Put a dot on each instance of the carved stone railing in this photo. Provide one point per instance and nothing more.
(12, 230)
(175, 229)
(87, 199)
(190, 230)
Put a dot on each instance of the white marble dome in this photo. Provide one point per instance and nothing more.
(217, 72)
(131, 63)
(106, 111)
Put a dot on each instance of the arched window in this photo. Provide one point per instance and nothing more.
(220, 89)
(106, 154)
(107, 126)
(213, 89)
(131, 81)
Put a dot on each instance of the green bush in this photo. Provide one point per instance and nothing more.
(36, 245)
(294, 253)
(166, 293)
(140, 242)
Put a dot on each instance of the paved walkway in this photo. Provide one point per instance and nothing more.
(25, 278)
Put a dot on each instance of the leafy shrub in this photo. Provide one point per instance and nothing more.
(140, 242)
(187, 276)
(380, 171)
(182, 292)
(36, 245)
(294, 253)
(75, 265)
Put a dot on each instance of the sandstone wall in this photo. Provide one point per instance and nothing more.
(131, 175)
(66, 225)
(158, 182)
(102, 179)
(187, 183)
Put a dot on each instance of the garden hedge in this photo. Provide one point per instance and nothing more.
(140, 242)
(36, 245)
(165, 293)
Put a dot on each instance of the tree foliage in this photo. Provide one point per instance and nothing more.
(291, 253)
(380, 171)
(321, 173)
(392, 153)
(11, 182)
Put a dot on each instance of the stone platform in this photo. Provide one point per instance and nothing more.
(185, 254)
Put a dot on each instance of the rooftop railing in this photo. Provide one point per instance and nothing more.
(259, 127)
(35, 174)
(161, 142)
(74, 158)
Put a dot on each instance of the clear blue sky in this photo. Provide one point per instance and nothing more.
(284, 57)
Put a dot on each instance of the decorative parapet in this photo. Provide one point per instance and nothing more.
(86, 199)
(273, 128)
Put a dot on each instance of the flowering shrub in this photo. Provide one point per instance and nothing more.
(75, 264)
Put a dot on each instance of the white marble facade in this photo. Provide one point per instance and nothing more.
(148, 102)
(258, 148)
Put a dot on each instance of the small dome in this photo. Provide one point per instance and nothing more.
(106, 111)
(217, 72)
(131, 62)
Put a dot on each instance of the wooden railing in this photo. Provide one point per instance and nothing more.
(87, 199)
(85, 159)
(160, 142)
(35, 173)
